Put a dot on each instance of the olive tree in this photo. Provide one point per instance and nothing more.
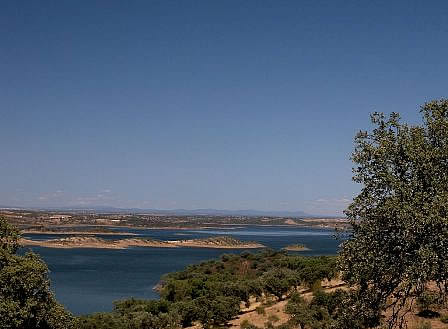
(399, 240)
(25, 297)
(300, 314)
(278, 281)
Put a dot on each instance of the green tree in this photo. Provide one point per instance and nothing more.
(134, 314)
(331, 302)
(278, 281)
(299, 312)
(102, 321)
(429, 303)
(216, 310)
(188, 312)
(26, 301)
(399, 240)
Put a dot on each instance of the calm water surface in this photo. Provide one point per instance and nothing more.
(89, 280)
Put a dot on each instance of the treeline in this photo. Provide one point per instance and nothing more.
(213, 292)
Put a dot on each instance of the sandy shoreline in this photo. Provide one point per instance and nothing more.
(93, 242)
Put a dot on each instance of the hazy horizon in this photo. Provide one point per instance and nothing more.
(249, 212)
(223, 105)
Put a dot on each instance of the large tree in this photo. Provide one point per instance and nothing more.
(399, 241)
(26, 301)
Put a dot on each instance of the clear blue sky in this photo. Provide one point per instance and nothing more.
(205, 104)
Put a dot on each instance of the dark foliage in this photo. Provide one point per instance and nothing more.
(26, 300)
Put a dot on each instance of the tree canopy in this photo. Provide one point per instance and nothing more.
(399, 241)
(25, 297)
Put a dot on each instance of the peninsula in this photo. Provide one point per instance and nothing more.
(224, 242)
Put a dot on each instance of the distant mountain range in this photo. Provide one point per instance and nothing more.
(180, 212)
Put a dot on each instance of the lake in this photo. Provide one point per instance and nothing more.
(89, 280)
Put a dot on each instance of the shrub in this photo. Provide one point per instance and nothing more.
(260, 310)
(269, 325)
(245, 324)
(427, 301)
(273, 318)
(269, 302)
(225, 257)
(444, 318)
(424, 325)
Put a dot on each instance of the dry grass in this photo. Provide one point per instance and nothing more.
(278, 309)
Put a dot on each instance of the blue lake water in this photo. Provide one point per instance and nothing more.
(89, 280)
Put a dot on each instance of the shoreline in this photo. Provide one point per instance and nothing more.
(75, 233)
(312, 224)
(93, 242)
(296, 249)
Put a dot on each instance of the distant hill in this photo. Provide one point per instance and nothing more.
(180, 212)
(221, 212)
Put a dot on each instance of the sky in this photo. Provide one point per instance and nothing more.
(205, 104)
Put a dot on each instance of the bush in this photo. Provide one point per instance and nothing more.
(245, 324)
(269, 302)
(427, 301)
(225, 257)
(260, 310)
(273, 318)
(100, 321)
(424, 325)
(269, 325)
(444, 318)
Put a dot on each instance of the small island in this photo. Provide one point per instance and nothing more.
(224, 242)
(296, 247)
